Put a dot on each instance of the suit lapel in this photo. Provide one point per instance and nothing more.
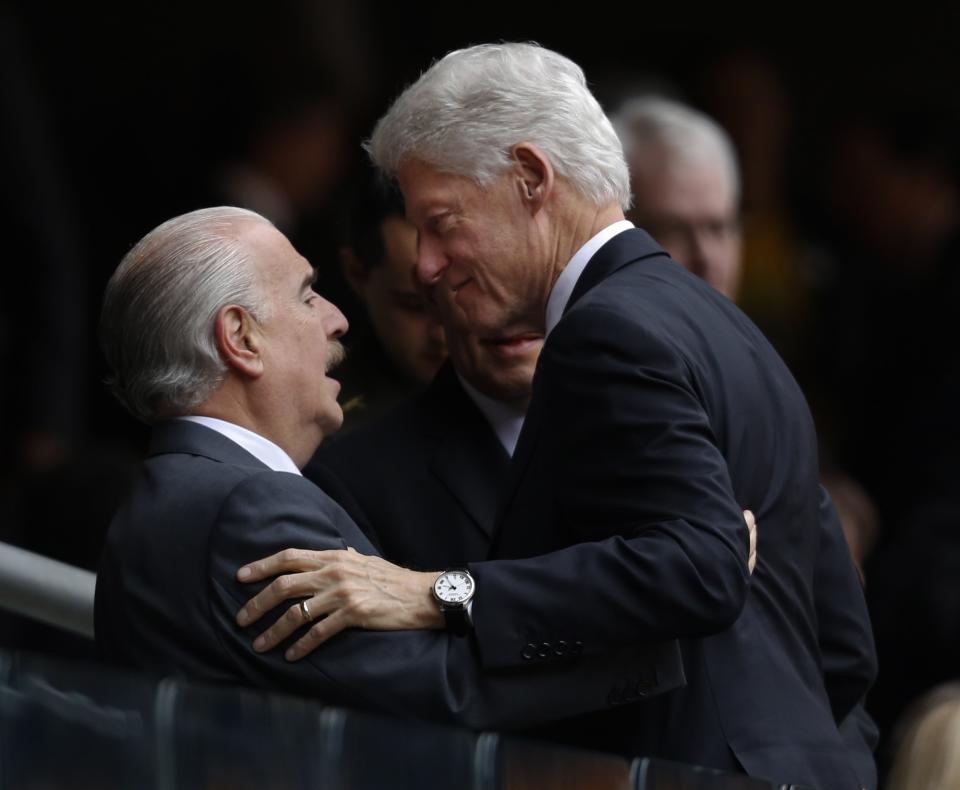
(467, 458)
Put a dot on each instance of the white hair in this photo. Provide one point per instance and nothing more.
(160, 306)
(469, 109)
(657, 126)
(926, 737)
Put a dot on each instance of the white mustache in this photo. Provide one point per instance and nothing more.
(335, 355)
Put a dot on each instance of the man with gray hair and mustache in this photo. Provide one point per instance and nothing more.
(657, 406)
(216, 338)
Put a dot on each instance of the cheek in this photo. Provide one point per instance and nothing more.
(410, 331)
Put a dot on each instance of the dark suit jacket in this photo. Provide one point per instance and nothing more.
(167, 596)
(657, 408)
(424, 478)
(424, 481)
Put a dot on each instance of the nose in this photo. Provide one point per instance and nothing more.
(431, 262)
(334, 323)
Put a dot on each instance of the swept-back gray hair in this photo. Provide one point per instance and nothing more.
(160, 306)
(656, 126)
(469, 109)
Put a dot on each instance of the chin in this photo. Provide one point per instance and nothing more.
(331, 421)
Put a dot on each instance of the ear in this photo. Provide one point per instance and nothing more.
(239, 340)
(354, 271)
(535, 176)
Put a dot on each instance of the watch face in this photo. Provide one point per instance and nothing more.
(453, 587)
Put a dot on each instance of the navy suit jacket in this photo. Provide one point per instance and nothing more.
(167, 596)
(423, 481)
(657, 408)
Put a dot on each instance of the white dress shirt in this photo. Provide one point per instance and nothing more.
(260, 448)
(567, 281)
(506, 420)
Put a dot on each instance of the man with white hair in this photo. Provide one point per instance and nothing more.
(686, 186)
(216, 337)
(657, 407)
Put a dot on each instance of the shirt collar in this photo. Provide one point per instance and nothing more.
(259, 447)
(563, 287)
(506, 420)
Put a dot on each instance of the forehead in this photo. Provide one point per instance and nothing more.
(698, 186)
(425, 187)
(274, 258)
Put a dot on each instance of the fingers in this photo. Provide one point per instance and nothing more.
(317, 635)
(297, 585)
(287, 561)
(286, 624)
(293, 619)
(752, 526)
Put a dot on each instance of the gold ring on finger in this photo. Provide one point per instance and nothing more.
(305, 611)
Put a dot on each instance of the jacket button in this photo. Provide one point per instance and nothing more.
(560, 649)
(576, 648)
(643, 687)
(544, 650)
(529, 651)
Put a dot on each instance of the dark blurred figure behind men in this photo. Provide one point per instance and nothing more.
(396, 345)
(292, 163)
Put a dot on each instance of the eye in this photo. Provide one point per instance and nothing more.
(441, 223)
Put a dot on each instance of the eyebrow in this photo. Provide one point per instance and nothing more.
(310, 280)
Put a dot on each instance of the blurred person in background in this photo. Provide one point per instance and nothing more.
(397, 345)
(686, 186)
(292, 160)
(927, 743)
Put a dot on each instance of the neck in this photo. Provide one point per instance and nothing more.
(231, 403)
(583, 221)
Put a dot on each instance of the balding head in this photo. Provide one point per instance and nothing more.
(686, 186)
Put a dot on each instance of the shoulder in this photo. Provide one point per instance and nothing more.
(273, 508)
(268, 491)
(610, 329)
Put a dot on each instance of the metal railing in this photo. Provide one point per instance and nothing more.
(43, 589)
